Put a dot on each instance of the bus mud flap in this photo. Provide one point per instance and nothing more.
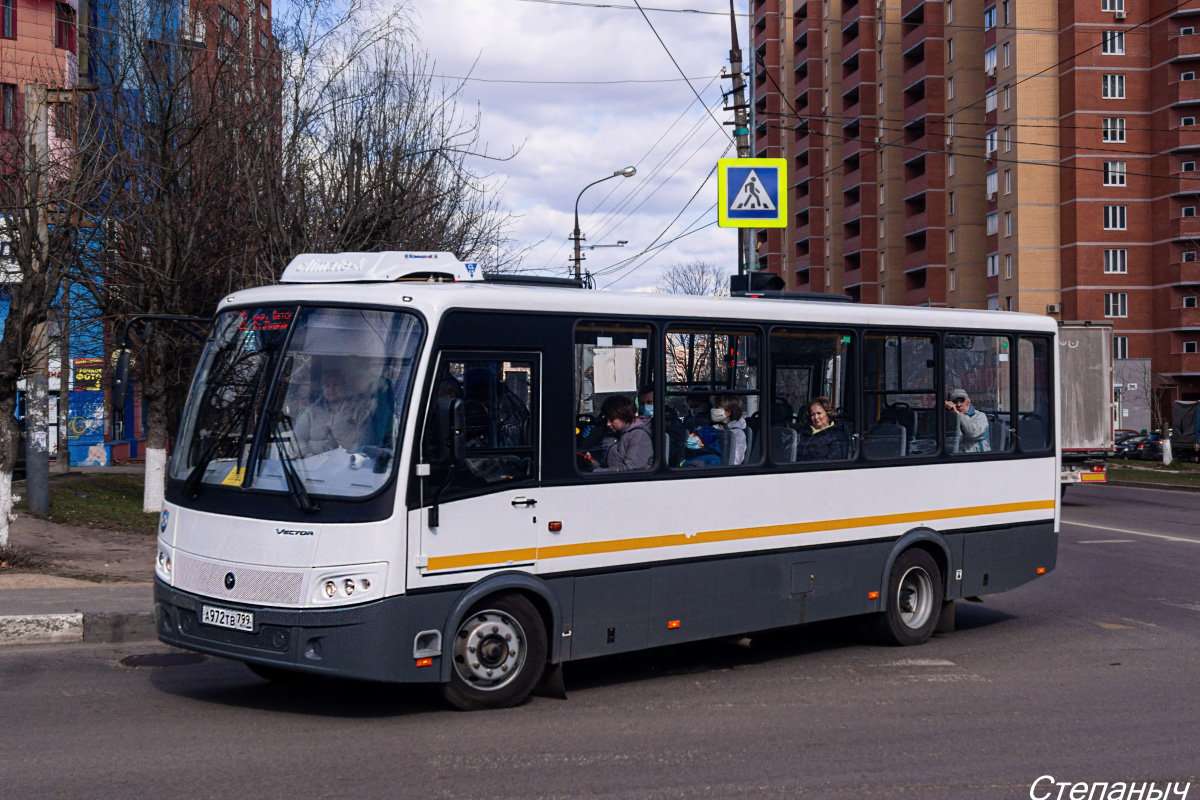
(551, 685)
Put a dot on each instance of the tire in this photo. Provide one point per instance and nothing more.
(508, 630)
(282, 676)
(914, 601)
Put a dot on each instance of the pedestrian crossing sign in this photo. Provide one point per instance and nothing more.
(752, 192)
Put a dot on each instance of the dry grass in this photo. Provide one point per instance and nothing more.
(13, 557)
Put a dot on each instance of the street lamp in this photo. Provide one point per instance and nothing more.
(628, 172)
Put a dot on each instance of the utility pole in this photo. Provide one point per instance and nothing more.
(37, 395)
(62, 463)
(741, 122)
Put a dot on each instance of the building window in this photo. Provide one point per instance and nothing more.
(64, 27)
(1114, 173)
(1187, 122)
(1008, 181)
(949, 11)
(993, 224)
(949, 202)
(1189, 301)
(1116, 259)
(989, 141)
(264, 40)
(263, 11)
(8, 19)
(1116, 304)
(8, 106)
(882, 263)
(1189, 255)
(993, 264)
(1120, 347)
(1008, 223)
(950, 241)
(1113, 129)
(1007, 138)
(1007, 12)
(1189, 211)
(1008, 266)
(949, 124)
(992, 180)
(1188, 31)
(1112, 43)
(1007, 98)
(882, 194)
(950, 49)
(989, 18)
(1112, 5)
(989, 100)
(1007, 55)
(950, 88)
(1008, 302)
(950, 164)
(1112, 86)
(1189, 347)
(989, 59)
(993, 303)
(950, 278)
(1188, 166)
(1187, 76)
(1114, 218)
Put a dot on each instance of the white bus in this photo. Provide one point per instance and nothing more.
(393, 468)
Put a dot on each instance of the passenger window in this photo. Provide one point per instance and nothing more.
(712, 388)
(500, 424)
(812, 413)
(978, 393)
(615, 399)
(1034, 431)
(899, 396)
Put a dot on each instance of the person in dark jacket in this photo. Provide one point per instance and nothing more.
(634, 448)
(825, 439)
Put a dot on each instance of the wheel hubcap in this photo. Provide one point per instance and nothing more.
(914, 598)
(489, 649)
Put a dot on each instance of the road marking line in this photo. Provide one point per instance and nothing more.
(1104, 541)
(1114, 626)
(917, 662)
(1131, 533)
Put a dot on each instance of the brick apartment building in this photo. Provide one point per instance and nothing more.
(1004, 154)
(39, 43)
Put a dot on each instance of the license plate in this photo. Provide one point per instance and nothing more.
(227, 618)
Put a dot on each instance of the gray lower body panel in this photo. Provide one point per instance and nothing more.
(614, 611)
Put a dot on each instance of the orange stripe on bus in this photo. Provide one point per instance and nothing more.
(499, 557)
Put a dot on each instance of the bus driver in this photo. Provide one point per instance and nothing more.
(337, 419)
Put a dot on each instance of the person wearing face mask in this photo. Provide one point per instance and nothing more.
(728, 413)
(676, 433)
(698, 411)
(825, 439)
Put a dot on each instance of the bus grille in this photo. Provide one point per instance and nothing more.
(270, 587)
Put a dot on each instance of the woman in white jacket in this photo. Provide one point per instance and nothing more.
(728, 412)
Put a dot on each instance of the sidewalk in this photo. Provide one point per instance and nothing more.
(90, 585)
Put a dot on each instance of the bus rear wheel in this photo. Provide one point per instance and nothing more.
(499, 653)
(914, 600)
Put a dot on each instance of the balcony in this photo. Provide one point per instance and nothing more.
(1187, 138)
(912, 8)
(1181, 92)
(801, 172)
(1183, 364)
(1183, 47)
(915, 110)
(803, 276)
(1186, 227)
(1185, 273)
(852, 277)
(912, 39)
(916, 260)
(1185, 318)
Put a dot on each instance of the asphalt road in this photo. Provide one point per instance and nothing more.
(1087, 675)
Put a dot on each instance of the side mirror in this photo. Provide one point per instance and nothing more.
(120, 382)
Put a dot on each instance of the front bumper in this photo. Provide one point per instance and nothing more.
(373, 641)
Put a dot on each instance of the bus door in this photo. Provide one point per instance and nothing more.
(481, 512)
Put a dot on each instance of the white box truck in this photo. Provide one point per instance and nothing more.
(1086, 412)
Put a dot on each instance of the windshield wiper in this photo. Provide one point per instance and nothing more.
(191, 485)
(283, 423)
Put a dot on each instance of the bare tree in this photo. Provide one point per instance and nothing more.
(695, 277)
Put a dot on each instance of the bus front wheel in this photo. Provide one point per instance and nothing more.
(499, 653)
(914, 600)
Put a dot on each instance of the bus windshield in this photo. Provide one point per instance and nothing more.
(299, 399)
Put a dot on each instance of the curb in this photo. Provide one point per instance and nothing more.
(89, 628)
(1152, 485)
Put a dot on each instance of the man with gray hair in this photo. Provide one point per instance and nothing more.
(966, 426)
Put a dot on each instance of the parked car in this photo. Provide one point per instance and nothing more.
(1124, 433)
(1128, 446)
(1151, 449)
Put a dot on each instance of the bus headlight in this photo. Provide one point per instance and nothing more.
(162, 563)
(341, 585)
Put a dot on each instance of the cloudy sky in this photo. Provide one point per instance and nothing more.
(584, 88)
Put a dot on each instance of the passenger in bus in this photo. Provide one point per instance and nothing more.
(338, 418)
(968, 426)
(728, 413)
(634, 447)
(699, 406)
(676, 433)
(703, 448)
(824, 439)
